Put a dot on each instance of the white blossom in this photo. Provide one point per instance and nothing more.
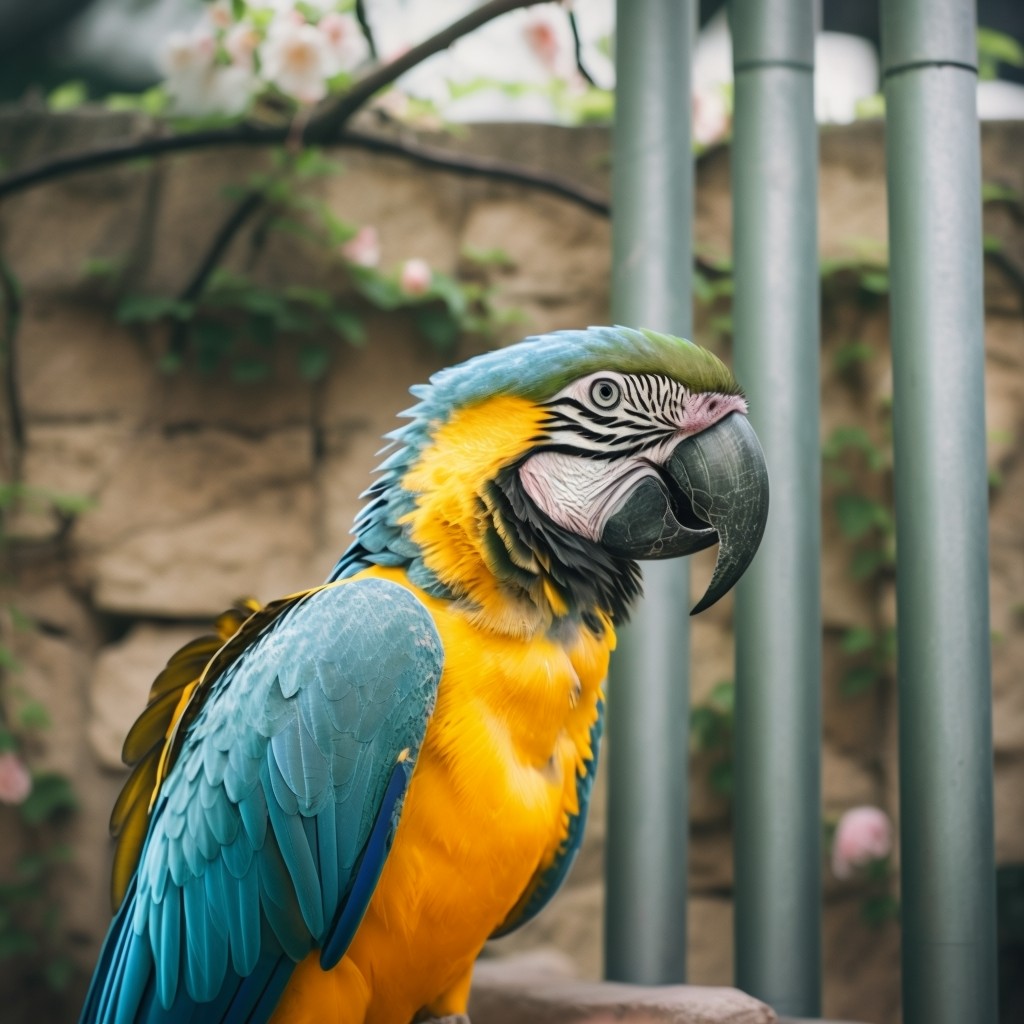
(416, 277)
(297, 59)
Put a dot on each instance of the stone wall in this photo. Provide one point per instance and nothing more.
(202, 490)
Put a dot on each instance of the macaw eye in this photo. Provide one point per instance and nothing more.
(604, 393)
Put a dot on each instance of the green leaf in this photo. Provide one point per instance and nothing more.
(875, 281)
(487, 257)
(380, 291)
(706, 732)
(33, 715)
(866, 563)
(997, 192)
(870, 108)
(312, 163)
(720, 778)
(852, 353)
(348, 325)
(212, 340)
(15, 943)
(69, 504)
(8, 662)
(438, 326)
(313, 361)
(877, 910)
(146, 308)
(59, 972)
(857, 514)
(858, 680)
(858, 640)
(51, 794)
(992, 244)
(67, 96)
(248, 371)
(723, 697)
(995, 48)
(101, 269)
(153, 102)
(318, 298)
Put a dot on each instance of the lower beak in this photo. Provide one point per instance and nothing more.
(713, 487)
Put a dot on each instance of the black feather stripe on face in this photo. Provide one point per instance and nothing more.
(586, 575)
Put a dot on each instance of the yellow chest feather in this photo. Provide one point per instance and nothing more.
(489, 804)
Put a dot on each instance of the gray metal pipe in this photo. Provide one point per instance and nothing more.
(777, 809)
(649, 692)
(937, 306)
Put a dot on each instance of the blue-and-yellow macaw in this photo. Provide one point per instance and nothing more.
(341, 796)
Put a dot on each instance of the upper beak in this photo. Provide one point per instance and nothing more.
(714, 486)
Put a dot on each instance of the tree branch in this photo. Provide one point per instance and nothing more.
(364, 24)
(477, 167)
(326, 123)
(332, 118)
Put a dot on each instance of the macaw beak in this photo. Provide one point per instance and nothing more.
(713, 487)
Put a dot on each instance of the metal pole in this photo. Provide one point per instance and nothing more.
(777, 810)
(937, 307)
(649, 692)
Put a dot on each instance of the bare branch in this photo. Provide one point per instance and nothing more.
(333, 117)
(477, 167)
(577, 48)
(364, 24)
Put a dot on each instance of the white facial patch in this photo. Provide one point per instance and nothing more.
(605, 433)
(580, 494)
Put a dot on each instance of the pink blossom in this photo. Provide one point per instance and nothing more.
(711, 116)
(15, 780)
(541, 36)
(346, 45)
(188, 53)
(863, 835)
(241, 42)
(363, 248)
(416, 277)
(220, 14)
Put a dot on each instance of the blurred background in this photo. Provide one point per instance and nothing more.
(201, 351)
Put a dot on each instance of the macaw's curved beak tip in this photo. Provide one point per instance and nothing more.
(723, 472)
(714, 487)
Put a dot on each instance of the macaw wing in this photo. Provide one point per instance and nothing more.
(546, 882)
(270, 830)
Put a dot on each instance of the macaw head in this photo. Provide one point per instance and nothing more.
(535, 477)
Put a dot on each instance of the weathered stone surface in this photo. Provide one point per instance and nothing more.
(260, 547)
(49, 234)
(507, 993)
(121, 677)
(75, 363)
(862, 982)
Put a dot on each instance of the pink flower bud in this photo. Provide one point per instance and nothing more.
(863, 835)
(363, 248)
(15, 780)
(416, 277)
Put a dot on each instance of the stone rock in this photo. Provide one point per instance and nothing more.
(260, 545)
(863, 965)
(505, 992)
(102, 214)
(711, 858)
(67, 460)
(121, 677)
(76, 363)
(1009, 785)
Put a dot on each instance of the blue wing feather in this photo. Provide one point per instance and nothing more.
(269, 834)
